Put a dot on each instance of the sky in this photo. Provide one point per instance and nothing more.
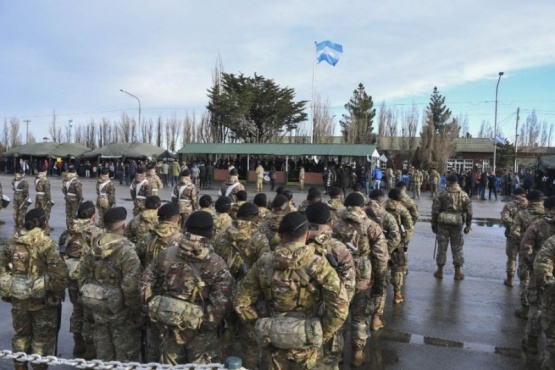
(73, 57)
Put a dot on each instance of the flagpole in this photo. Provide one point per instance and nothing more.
(313, 92)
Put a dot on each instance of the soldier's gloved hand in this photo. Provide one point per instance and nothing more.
(467, 229)
(52, 301)
(434, 229)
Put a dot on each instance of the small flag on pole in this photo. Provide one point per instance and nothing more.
(500, 140)
(329, 52)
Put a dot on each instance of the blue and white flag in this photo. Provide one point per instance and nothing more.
(329, 52)
(500, 140)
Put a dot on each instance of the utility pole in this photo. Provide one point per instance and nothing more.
(516, 136)
(27, 138)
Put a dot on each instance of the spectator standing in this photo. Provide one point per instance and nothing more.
(377, 177)
(209, 175)
(195, 172)
(492, 185)
(202, 176)
(176, 170)
(165, 174)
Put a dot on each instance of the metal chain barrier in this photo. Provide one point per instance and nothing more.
(102, 365)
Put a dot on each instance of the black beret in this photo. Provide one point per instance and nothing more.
(288, 194)
(186, 172)
(168, 211)
(247, 209)
(223, 204)
(260, 200)
(452, 178)
(279, 201)
(199, 220)
(150, 167)
(315, 194)
(233, 172)
(292, 222)
(376, 193)
(534, 195)
(205, 201)
(318, 213)
(71, 169)
(394, 194)
(401, 184)
(35, 214)
(354, 199)
(152, 202)
(519, 191)
(86, 210)
(115, 214)
(334, 191)
(106, 171)
(280, 189)
(241, 195)
(549, 202)
(140, 170)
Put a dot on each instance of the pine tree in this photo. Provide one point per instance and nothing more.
(356, 126)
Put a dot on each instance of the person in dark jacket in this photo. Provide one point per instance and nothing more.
(492, 185)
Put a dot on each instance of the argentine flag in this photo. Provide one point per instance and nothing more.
(329, 52)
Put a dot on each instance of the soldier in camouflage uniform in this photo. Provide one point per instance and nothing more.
(523, 219)
(241, 199)
(451, 212)
(417, 180)
(434, 181)
(325, 245)
(105, 195)
(20, 197)
(205, 204)
(32, 257)
(269, 228)
(140, 189)
(377, 213)
(190, 274)
(413, 210)
(398, 177)
(112, 268)
(388, 174)
(368, 246)
(75, 243)
(231, 186)
(73, 194)
(313, 196)
(284, 279)
(185, 194)
(335, 202)
(222, 219)
(261, 201)
(517, 203)
(43, 199)
(533, 239)
(141, 225)
(153, 179)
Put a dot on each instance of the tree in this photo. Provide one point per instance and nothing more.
(254, 109)
(485, 130)
(356, 126)
(15, 137)
(54, 131)
(322, 131)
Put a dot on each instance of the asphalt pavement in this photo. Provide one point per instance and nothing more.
(443, 324)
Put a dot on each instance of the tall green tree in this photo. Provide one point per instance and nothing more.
(356, 125)
(254, 109)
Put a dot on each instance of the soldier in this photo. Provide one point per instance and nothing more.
(140, 189)
(325, 245)
(185, 194)
(205, 203)
(327, 177)
(189, 276)
(153, 179)
(398, 176)
(105, 195)
(517, 203)
(289, 195)
(533, 239)
(222, 219)
(33, 279)
(241, 196)
(417, 179)
(43, 198)
(231, 186)
(398, 261)
(73, 194)
(143, 223)
(259, 177)
(335, 202)
(301, 178)
(434, 181)
(368, 246)
(313, 196)
(75, 243)
(388, 177)
(451, 212)
(261, 201)
(111, 268)
(295, 270)
(523, 219)
(377, 213)
(270, 227)
(20, 199)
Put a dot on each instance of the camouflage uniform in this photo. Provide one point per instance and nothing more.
(112, 262)
(417, 179)
(452, 201)
(259, 178)
(301, 178)
(105, 197)
(264, 213)
(369, 250)
(43, 199)
(209, 210)
(185, 194)
(140, 225)
(233, 183)
(154, 181)
(269, 228)
(140, 189)
(287, 265)
(221, 222)
(192, 272)
(434, 181)
(398, 176)
(388, 177)
(73, 195)
(235, 208)
(33, 254)
(519, 202)
(20, 204)
(336, 207)
(410, 205)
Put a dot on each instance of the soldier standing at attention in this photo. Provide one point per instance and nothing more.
(140, 189)
(270, 227)
(434, 181)
(143, 223)
(31, 259)
(205, 203)
(185, 194)
(73, 191)
(335, 202)
(20, 197)
(388, 178)
(259, 177)
(451, 216)
(398, 177)
(413, 210)
(189, 276)
(231, 186)
(417, 178)
(111, 268)
(43, 199)
(153, 179)
(105, 195)
(222, 219)
(294, 282)
(517, 203)
(301, 178)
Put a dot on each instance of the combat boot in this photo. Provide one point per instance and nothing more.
(458, 273)
(398, 297)
(359, 357)
(509, 280)
(530, 344)
(439, 272)
(522, 312)
(20, 365)
(377, 323)
(79, 345)
(90, 352)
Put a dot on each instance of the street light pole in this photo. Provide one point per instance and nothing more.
(27, 137)
(495, 124)
(128, 93)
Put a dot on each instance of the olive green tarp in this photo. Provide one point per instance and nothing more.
(127, 150)
(49, 149)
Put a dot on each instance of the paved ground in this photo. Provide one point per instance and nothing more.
(443, 324)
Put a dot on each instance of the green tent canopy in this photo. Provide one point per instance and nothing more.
(127, 150)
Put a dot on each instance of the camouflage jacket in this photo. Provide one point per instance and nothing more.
(140, 189)
(141, 225)
(303, 205)
(323, 242)
(42, 187)
(264, 213)
(270, 229)
(411, 206)
(402, 217)
(76, 240)
(434, 177)
(34, 254)
(273, 274)
(518, 202)
(154, 181)
(233, 246)
(377, 213)
(185, 194)
(235, 208)
(233, 181)
(113, 261)
(72, 188)
(160, 237)
(191, 271)
(336, 206)
(105, 188)
(535, 235)
(221, 222)
(452, 200)
(398, 175)
(418, 178)
(209, 210)
(388, 174)
(524, 218)
(543, 272)
(20, 188)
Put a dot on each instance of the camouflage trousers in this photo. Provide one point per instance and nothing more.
(511, 250)
(398, 262)
(138, 206)
(100, 218)
(379, 299)
(259, 184)
(433, 189)
(548, 324)
(301, 184)
(81, 320)
(182, 347)
(117, 341)
(154, 332)
(450, 234)
(295, 359)
(35, 331)
(333, 352)
(361, 309)
(72, 206)
(416, 190)
(19, 210)
(184, 217)
(45, 204)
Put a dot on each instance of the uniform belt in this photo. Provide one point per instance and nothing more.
(140, 197)
(185, 200)
(18, 189)
(102, 194)
(71, 194)
(40, 193)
